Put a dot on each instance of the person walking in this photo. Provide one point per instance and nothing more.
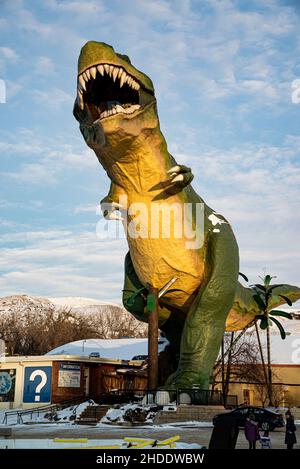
(251, 431)
(290, 429)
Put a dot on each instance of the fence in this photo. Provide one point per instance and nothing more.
(52, 408)
(167, 396)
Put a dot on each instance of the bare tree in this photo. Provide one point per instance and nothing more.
(33, 326)
(237, 361)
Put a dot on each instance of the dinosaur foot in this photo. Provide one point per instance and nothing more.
(186, 379)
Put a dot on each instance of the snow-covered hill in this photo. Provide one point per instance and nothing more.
(79, 302)
(19, 303)
(23, 303)
(109, 320)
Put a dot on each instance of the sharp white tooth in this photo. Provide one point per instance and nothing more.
(93, 71)
(106, 68)
(130, 80)
(123, 79)
(115, 73)
(82, 82)
(104, 113)
(85, 76)
(120, 72)
(100, 69)
(137, 86)
(111, 69)
(114, 111)
(87, 72)
(80, 99)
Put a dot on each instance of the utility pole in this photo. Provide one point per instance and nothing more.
(152, 305)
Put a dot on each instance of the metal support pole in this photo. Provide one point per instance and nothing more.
(153, 342)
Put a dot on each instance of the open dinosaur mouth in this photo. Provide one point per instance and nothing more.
(108, 90)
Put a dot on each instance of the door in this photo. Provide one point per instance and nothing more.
(86, 380)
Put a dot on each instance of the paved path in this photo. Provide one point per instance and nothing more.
(189, 434)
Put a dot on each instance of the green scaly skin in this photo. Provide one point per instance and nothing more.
(132, 150)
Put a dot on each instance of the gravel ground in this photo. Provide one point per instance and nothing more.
(188, 433)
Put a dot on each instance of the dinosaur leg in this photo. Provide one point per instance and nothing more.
(135, 305)
(205, 323)
(171, 322)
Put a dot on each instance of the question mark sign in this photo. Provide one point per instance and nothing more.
(41, 384)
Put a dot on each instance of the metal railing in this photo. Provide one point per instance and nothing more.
(192, 396)
(52, 408)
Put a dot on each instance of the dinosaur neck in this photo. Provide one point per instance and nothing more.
(137, 163)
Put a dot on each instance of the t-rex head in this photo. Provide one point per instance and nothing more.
(113, 97)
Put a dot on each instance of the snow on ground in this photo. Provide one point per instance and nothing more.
(79, 302)
(63, 443)
(130, 413)
(65, 415)
(118, 349)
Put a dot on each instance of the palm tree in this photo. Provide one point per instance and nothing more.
(264, 296)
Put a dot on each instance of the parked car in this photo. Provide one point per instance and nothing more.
(261, 415)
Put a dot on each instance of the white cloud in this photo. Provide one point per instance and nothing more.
(9, 54)
(44, 66)
(83, 208)
(34, 173)
(80, 8)
(257, 189)
(197, 59)
(44, 160)
(62, 262)
(53, 98)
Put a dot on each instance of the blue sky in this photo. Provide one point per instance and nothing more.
(223, 74)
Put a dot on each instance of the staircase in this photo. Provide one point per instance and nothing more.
(92, 414)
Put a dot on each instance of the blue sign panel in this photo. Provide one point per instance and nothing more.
(37, 384)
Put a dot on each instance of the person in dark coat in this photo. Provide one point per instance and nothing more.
(290, 428)
(251, 431)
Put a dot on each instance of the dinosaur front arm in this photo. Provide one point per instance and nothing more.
(115, 201)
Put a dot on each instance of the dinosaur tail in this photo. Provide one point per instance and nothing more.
(245, 308)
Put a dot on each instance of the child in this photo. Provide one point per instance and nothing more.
(265, 441)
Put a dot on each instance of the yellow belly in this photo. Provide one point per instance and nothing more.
(160, 254)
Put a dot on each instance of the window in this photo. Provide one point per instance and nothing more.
(246, 396)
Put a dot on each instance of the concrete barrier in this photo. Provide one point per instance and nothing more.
(6, 432)
(187, 413)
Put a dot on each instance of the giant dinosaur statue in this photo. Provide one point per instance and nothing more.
(117, 112)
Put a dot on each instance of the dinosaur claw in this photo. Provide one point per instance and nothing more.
(116, 205)
(114, 216)
(175, 169)
(178, 178)
(109, 210)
